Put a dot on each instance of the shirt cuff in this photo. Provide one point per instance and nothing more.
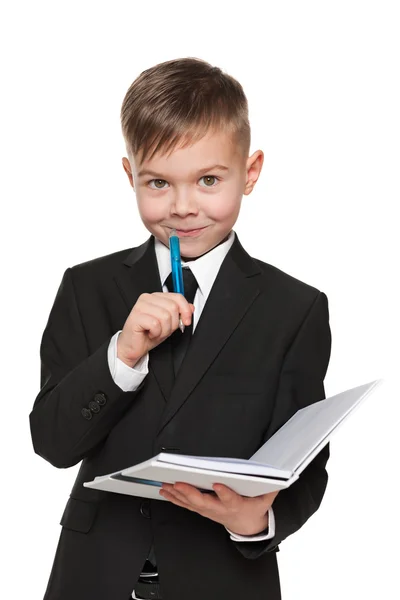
(258, 537)
(127, 378)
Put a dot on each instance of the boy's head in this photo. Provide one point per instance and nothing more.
(180, 119)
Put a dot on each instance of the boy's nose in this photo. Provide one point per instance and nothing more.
(184, 203)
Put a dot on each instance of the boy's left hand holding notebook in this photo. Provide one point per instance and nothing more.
(239, 514)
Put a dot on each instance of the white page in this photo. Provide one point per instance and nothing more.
(290, 446)
(230, 465)
(155, 472)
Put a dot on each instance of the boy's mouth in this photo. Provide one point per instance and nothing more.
(189, 232)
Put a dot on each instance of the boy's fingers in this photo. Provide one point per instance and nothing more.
(226, 495)
(151, 324)
(167, 298)
(180, 299)
(189, 493)
(166, 312)
(197, 499)
(172, 498)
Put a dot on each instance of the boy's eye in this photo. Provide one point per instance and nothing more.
(156, 182)
(207, 179)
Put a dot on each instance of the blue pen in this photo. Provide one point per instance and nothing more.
(176, 266)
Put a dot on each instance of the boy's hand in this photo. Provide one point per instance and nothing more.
(153, 318)
(239, 514)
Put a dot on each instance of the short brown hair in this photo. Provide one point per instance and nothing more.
(182, 100)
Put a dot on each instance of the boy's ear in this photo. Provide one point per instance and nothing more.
(128, 170)
(253, 169)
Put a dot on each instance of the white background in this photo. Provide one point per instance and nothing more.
(322, 81)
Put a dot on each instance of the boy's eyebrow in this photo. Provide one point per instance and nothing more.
(211, 168)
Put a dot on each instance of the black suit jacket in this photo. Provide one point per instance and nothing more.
(260, 351)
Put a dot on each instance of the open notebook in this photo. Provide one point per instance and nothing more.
(276, 465)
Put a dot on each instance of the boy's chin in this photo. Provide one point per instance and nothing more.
(193, 253)
(198, 251)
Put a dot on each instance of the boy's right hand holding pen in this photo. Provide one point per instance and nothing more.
(153, 318)
(156, 316)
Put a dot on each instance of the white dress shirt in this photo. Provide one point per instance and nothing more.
(205, 269)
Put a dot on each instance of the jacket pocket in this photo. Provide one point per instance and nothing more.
(79, 515)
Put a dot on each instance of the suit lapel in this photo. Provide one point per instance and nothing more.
(141, 275)
(234, 291)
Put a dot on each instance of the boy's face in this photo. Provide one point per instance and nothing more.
(186, 191)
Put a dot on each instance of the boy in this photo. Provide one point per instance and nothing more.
(120, 382)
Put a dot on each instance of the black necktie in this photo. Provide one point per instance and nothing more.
(180, 341)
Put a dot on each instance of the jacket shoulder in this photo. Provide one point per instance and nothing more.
(98, 272)
(287, 285)
(101, 262)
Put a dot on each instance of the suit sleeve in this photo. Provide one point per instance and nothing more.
(300, 384)
(79, 402)
(127, 378)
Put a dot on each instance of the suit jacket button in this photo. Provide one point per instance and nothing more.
(145, 509)
(85, 412)
(100, 398)
(94, 407)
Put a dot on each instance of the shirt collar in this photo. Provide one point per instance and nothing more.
(205, 268)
